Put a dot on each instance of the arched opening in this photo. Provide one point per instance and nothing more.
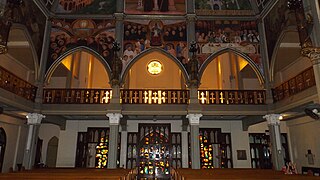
(52, 151)
(21, 58)
(137, 74)
(3, 142)
(80, 69)
(230, 71)
(287, 58)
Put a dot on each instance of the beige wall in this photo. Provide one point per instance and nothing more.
(169, 78)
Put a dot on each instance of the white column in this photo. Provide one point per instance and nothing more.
(123, 149)
(194, 121)
(33, 121)
(273, 121)
(114, 120)
(184, 147)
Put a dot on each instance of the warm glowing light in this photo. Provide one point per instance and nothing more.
(155, 67)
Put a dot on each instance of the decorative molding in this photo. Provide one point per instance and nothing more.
(114, 118)
(194, 119)
(34, 118)
(272, 119)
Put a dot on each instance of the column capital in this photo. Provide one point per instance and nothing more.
(34, 118)
(194, 119)
(313, 53)
(191, 17)
(272, 119)
(119, 16)
(114, 118)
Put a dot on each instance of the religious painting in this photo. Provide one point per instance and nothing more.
(155, 7)
(97, 35)
(86, 6)
(213, 36)
(171, 35)
(223, 7)
(279, 18)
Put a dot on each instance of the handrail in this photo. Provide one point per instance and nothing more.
(16, 85)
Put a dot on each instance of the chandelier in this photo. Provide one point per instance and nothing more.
(6, 17)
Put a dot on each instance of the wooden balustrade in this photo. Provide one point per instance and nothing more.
(77, 96)
(16, 85)
(301, 82)
(140, 96)
(237, 97)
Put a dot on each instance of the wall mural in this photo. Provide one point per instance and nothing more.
(155, 7)
(277, 20)
(87, 6)
(213, 36)
(97, 35)
(223, 7)
(141, 35)
(30, 16)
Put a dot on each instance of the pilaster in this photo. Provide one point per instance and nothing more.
(114, 120)
(194, 121)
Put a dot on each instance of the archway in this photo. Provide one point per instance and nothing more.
(136, 73)
(79, 68)
(3, 142)
(52, 151)
(229, 69)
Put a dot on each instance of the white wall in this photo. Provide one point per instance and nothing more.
(15, 144)
(68, 140)
(304, 135)
(46, 132)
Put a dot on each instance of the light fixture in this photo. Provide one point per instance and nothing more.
(6, 17)
(154, 67)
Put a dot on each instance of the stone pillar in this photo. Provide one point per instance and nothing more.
(43, 64)
(114, 120)
(313, 53)
(185, 144)
(33, 121)
(191, 27)
(120, 6)
(119, 30)
(273, 121)
(123, 147)
(190, 6)
(194, 121)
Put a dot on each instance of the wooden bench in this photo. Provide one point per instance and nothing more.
(71, 173)
(205, 174)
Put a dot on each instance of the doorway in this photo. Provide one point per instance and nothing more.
(154, 147)
(52, 151)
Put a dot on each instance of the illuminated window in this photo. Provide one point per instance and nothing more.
(154, 67)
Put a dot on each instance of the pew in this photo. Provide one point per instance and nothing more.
(205, 174)
(71, 173)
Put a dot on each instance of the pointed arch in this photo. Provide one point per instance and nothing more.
(151, 50)
(276, 51)
(35, 57)
(239, 53)
(57, 62)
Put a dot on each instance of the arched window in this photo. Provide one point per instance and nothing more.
(3, 141)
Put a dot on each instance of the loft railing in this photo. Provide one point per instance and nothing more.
(237, 97)
(77, 96)
(16, 85)
(301, 82)
(143, 96)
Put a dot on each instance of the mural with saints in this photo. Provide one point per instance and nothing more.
(155, 7)
(86, 6)
(242, 36)
(223, 7)
(170, 35)
(97, 35)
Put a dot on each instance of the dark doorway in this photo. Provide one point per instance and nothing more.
(3, 142)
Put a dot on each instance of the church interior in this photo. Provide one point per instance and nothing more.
(159, 89)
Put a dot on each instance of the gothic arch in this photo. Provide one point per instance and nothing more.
(151, 50)
(56, 63)
(241, 54)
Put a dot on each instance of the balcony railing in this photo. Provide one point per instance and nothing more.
(241, 97)
(140, 96)
(299, 83)
(16, 85)
(77, 96)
